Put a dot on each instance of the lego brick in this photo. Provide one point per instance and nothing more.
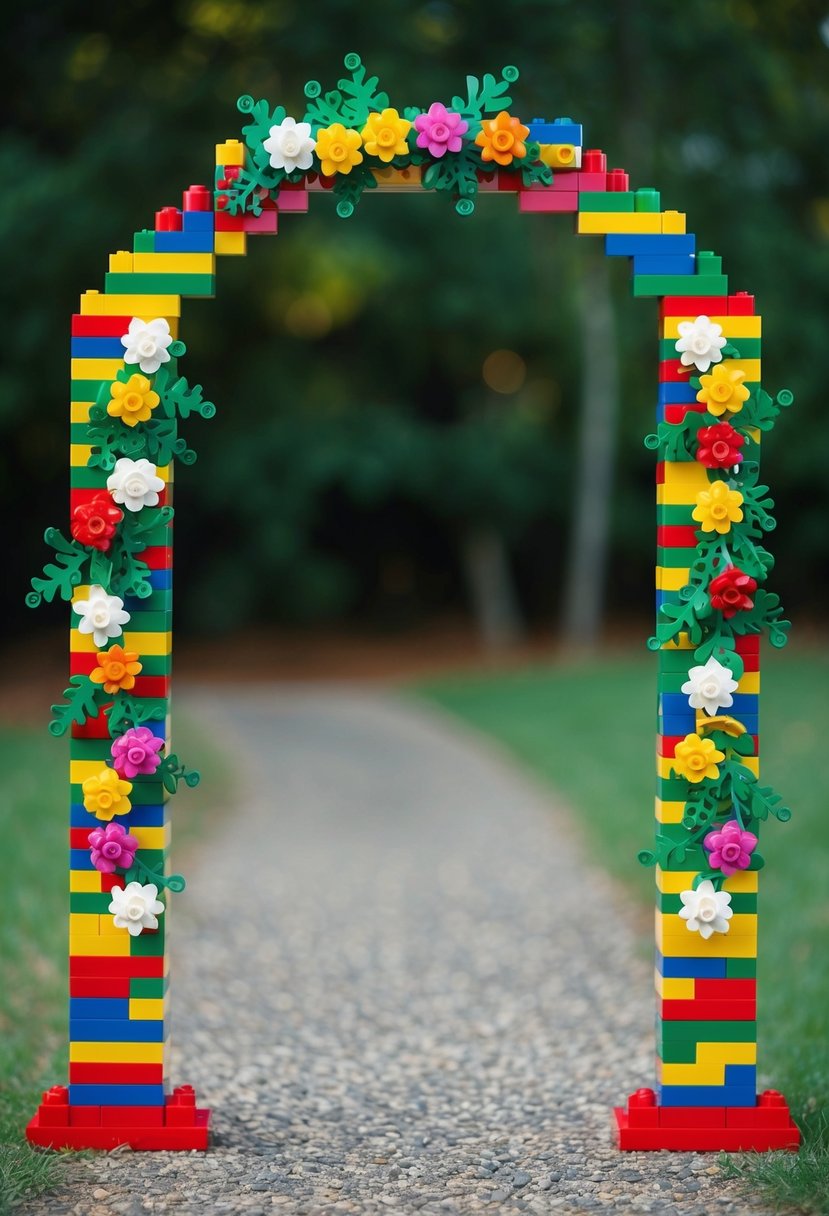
(157, 283)
(174, 263)
(559, 131)
(649, 264)
(598, 200)
(103, 986)
(117, 965)
(613, 221)
(132, 1116)
(116, 1095)
(116, 1053)
(197, 221)
(111, 1073)
(185, 242)
(231, 243)
(99, 1007)
(650, 244)
(706, 1031)
(130, 305)
(551, 201)
(169, 1138)
(146, 989)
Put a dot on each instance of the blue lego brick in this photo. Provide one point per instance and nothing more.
(79, 859)
(740, 1089)
(678, 724)
(161, 580)
(745, 703)
(116, 1095)
(691, 968)
(99, 1007)
(675, 393)
(192, 241)
(106, 1030)
(197, 221)
(559, 131)
(675, 704)
(139, 817)
(620, 244)
(97, 348)
(646, 263)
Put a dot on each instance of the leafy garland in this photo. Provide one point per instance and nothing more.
(117, 568)
(734, 795)
(351, 104)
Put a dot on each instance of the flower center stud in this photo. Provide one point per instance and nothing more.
(440, 132)
(146, 345)
(100, 617)
(337, 152)
(502, 141)
(707, 909)
(136, 755)
(116, 671)
(135, 487)
(696, 762)
(386, 138)
(731, 852)
(710, 689)
(720, 391)
(134, 909)
(104, 800)
(720, 450)
(111, 849)
(699, 344)
(719, 511)
(133, 402)
(96, 525)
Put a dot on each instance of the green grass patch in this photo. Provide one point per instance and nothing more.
(34, 932)
(588, 730)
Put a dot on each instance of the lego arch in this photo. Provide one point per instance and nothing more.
(115, 568)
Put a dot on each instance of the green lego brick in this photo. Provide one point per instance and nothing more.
(674, 513)
(671, 662)
(150, 945)
(708, 263)
(87, 390)
(672, 790)
(156, 664)
(674, 559)
(601, 200)
(90, 749)
(680, 285)
(156, 859)
(647, 199)
(676, 1051)
(154, 987)
(89, 901)
(749, 348)
(144, 242)
(150, 622)
(741, 968)
(152, 794)
(82, 478)
(706, 1032)
(161, 284)
(741, 901)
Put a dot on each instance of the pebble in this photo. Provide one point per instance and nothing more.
(397, 980)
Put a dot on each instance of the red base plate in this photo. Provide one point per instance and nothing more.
(177, 1126)
(644, 1126)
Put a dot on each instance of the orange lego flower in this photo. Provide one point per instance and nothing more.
(117, 671)
(502, 139)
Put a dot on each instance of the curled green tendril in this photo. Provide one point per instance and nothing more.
(177, 349)
(464, 206)
(510, 73)
(313, 89)
(245, 103)
(344, 209)
(352, 61)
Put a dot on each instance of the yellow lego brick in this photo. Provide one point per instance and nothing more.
(107, 926)
(144, 643)
(121, 262)
(749, 367)
(117, 1053)
(96, 369)
(741, 924)
(670, 495)
(750, 682)
(175, 263)
(94, 304)
(233, 243)
(79, 454)
(687, 474)
(79, 770)
(231, 152)
(671, 882)
(680, 642)
(560, 156)
(732, 327)
(664, 765)
(618, 221)
(693, 946)
(397, 179)
(673, 221)
(726, 1053)
(79, 411)
(671, 988)
(85, 881)
(87, 946)
(152, 838)
(81, 923)
(147, 1009)
(690, 1074)
(671, 578)
(669, 812)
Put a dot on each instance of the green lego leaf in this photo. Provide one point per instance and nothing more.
(348, 188)
(533, 170)
(141, 872)
(83, 699)
(172, 771)
(488, 96)
(61, 576)
(126, 711)
(762, 411)
(359, 94)
(262, 118)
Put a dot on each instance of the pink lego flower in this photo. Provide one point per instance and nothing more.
(136, 752)
(112, 847)
(440, 130)
(731, 848)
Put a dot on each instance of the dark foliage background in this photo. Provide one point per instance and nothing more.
(370, 436)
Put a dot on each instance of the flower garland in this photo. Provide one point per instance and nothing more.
(132, 431)
(351, 134)
(724, 599)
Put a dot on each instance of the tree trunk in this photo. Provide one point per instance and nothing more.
(491, 589)
(585, 573)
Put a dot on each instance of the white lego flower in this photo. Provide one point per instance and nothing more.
(102, 615)
(710, 687)
(700, 342)
(146, 342)
(290, 145)
(134, 483)
(706, 911)
(135, 907)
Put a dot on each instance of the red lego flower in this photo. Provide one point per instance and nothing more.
(93, 522)
(731, 591)
(719, 446)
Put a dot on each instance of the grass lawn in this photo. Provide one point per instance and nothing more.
(588, 730)
(33, 963)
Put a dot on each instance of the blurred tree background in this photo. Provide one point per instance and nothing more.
(400, 393)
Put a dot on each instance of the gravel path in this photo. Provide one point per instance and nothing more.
(399, 989)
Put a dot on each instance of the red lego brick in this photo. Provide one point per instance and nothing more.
(692, 1116)
(676, 536)
(747, 643)
(229, 223)
(82, 1073)
(142, 1139)
(180, 1110)
(659, 472)
(108, 986)
(132, 1116)
(760, 1128)
(137, 966)
(108, 881)
(694, 306)
(93, 728)
(168, 219)
(593, 161)
(707, 1011)
(590, 179)
(618, 180)
(675, 411)
(197, 198)
(84, 1116)
(771, 1111)
(741, 304)
(54, 1109)
(725, 990)
(552, 201)
(672, 371)
(99, 327)
(158, 557)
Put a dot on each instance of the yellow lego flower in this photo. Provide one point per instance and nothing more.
(338, 149)
(384, 135)
(696, 759)
(105, 795)
(718, 507)
(723, 390)
(132, 401)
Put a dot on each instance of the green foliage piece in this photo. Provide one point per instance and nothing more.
(171, 771)
(82, 701)
(61, 576)
(678, 440)
(762, 411)
(488, 96)
(141, 872)
(131, 576)
(350, 103)
(127, 711)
